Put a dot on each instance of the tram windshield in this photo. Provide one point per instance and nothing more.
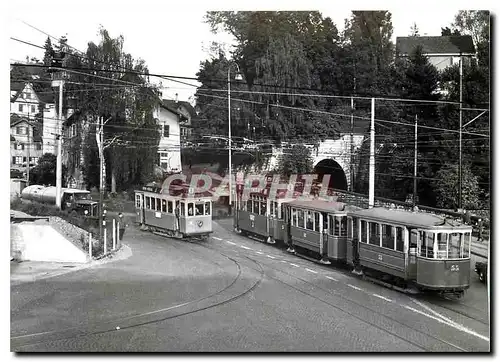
(444, 245)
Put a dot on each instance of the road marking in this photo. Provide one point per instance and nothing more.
(284, 261)
(381, 297)
(312, 271)
(230, 242)
(260, 252)
(450, 322)
(459, 327)
(292, 264)
(328, 277)
(354, 287)
(216, 238)
(244, 247)
(269, 256)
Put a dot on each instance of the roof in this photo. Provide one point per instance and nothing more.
(436, 44)
(15, 119)
(176, 104)
(408, 218)
(318, 205)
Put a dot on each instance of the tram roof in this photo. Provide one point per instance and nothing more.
(408, 218)
(318, 205)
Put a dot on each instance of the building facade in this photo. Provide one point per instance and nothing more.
(25, 142)
(169, 147)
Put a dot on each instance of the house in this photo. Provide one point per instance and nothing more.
(188, 113)
(25, 141)
(169, 148)
(442, 51)
(27, 103)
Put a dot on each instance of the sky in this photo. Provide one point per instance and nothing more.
(173, 40)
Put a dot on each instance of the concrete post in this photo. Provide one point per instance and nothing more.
(114, 234)
(90, 245)
(105, 241)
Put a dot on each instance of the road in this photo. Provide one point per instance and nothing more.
(234, 294)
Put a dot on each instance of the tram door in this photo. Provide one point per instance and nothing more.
(413, 236)
(139, 205)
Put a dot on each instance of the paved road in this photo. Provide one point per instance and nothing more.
(232, 294)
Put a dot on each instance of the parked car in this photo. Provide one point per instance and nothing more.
(482, 270)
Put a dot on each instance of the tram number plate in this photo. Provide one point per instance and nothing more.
(380, 257)
(305, 235)
(253, 224)
(455, 268)
(282, 227)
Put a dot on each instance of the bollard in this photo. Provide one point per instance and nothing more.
(90, 245)
(114, 234)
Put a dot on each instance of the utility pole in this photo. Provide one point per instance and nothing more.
(59, 145)
(352, 138)
(460, 142)
(100, 144)
(415, 167)
(371, 191)
(28, 156)
(229, 141)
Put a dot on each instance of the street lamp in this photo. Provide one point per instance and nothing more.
(237, 77)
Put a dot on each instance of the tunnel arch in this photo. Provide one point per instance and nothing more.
(338, 178)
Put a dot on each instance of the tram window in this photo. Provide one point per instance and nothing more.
(400, 240)
(249, 205)
(427, 244)
(190, 209)
(363, 231)
(413, 238)
(309, 220)
(263, 207)
(183, 209)
(281, 212)
(294, 217)
(442, 244)
(170, 207)
(465, 244)
(374, 234)
(199, 209)
(163, 205)
(300, 218)
(355, 230)
(158, 204)
(343, 226)
(336, 223)
(455, 244)
(207, 208)
(137, 201)
(325, 222)
(387, 236)
(255, 207)
(316, 221)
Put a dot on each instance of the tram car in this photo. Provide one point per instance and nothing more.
(174, 213)
(263, 216)
(318, 228)
(416, 251)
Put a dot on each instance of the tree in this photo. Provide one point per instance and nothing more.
(447, 191)
(116, 91)
(44, 173)
(296, 160)
(414, 30)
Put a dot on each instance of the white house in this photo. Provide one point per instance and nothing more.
(188, 114)
(25, 102)
(442, 51)
(169, 148)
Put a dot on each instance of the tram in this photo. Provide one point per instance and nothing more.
(176, 214)
(418, 250)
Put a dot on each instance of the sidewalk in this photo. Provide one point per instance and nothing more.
(480, 248)
(31, 271)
